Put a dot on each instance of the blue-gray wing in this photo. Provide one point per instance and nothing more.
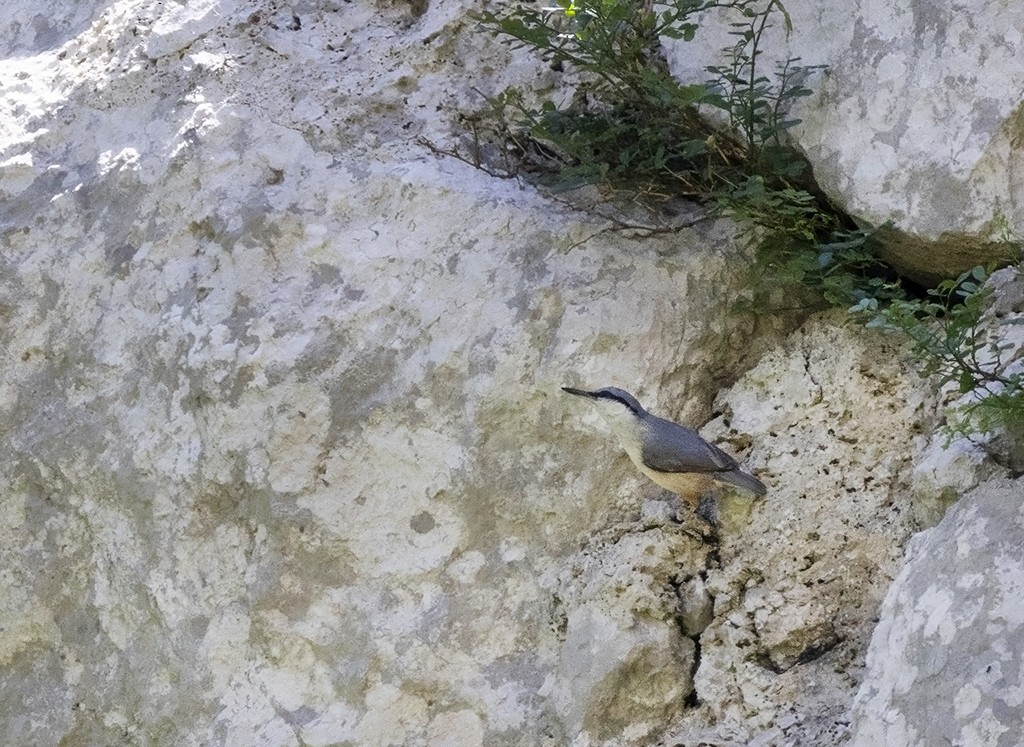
(672, 448)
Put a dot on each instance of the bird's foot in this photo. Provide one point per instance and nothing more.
(697, 527)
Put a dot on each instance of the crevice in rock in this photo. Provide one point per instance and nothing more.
(818, 650)
(693, 699)
(813, 652)
(764, 661)
(683, 619)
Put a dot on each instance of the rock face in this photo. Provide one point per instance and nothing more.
(798, 578)
(286, 458)
(917, 121)
(950, 633)
(626, 660)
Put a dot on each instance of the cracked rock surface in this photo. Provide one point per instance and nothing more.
(834, 426)
(286, 460)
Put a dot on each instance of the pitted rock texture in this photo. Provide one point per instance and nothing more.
(917, 120)
(950, 633)
(832, 423)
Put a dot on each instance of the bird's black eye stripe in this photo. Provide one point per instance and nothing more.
(606, 394)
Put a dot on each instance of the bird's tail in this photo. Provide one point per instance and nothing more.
(743, 480)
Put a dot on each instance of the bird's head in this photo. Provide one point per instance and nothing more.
(618, 407)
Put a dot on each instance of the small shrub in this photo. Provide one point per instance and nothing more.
(954, 340)
(631, 125)
(638, 133)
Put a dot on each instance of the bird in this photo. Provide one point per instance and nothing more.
(672, 455)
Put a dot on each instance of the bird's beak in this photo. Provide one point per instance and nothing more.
(578, 392)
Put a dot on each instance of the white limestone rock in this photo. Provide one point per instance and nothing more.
(946, 471)
(626, 661)
(181, 25)
(832, 423)
(696, 607)
(621, 682)
(949, 633)
(286, 460)
(915, 121)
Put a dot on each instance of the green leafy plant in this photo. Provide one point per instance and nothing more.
(634, 130)
(954, 340)
(632, 120)
(757, 105)
(631, 125)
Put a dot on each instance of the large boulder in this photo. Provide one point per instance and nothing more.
(627, 657)
(916, 122)
(945, 663)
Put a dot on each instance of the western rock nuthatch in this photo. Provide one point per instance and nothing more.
(672, 455)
